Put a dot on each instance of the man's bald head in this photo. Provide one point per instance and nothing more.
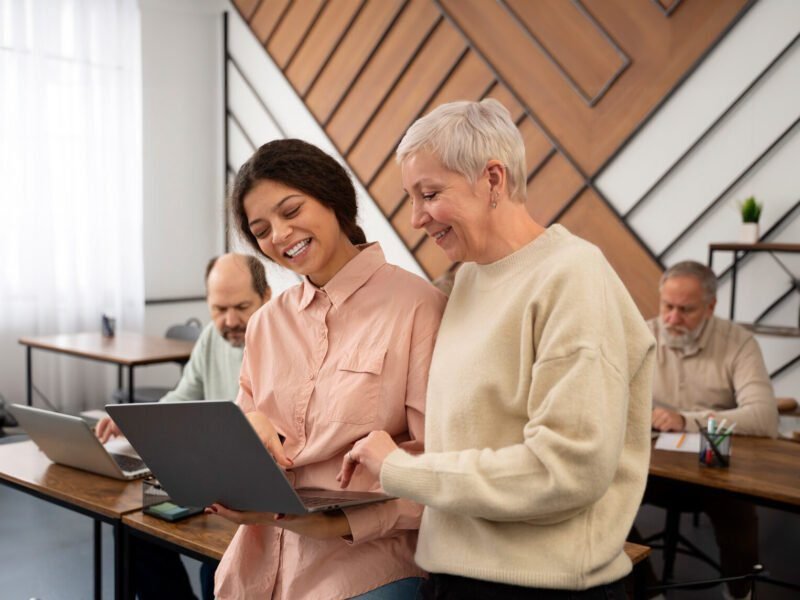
(236, 287)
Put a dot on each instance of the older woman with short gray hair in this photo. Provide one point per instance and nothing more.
(538, 422)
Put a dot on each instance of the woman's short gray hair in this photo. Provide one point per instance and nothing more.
(465, 136)
(690, 268)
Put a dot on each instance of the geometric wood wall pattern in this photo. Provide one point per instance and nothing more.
(579, 78)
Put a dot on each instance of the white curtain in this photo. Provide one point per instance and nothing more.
(70, 185)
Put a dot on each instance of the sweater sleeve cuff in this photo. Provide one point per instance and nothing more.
(405, 475)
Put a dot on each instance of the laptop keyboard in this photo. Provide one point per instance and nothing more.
(313, 501)
(129, 463)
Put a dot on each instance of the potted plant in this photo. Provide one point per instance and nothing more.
(751, 212)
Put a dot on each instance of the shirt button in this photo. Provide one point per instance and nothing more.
(311, 377)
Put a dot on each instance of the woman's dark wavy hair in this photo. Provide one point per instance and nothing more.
(306, 168)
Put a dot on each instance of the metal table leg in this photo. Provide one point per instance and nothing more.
(130, 385)
(98, 560)
(29, 373)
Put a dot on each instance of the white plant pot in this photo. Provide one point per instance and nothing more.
(749, 233)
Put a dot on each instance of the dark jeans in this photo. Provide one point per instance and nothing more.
(454, 587)
(734, 521)
(159, 574)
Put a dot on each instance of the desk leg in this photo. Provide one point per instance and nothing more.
(29, 374)
(98, 559)
(130, 385)
(121, 574)
(119, 377)
(640, 580)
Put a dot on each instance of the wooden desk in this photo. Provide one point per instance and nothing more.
(105, 500)
(124, 350)
(765, 471)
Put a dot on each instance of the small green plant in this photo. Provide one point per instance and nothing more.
(751, 210)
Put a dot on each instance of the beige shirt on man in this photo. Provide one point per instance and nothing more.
(722, 374)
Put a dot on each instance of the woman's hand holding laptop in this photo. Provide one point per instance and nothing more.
(269, 437)
(320, 526)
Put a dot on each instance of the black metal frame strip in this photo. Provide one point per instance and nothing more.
(335, 48)
(178, 300)
(303, 37)
(715, 202)
(785, 367)
(702, 137)
(410, 61)
(225, 131)
(576, 87)
(363, 67)
(257, 96)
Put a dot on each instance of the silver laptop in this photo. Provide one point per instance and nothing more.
(206, 451)
(69, 440)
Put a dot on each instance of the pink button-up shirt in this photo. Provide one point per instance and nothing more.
(327, 366)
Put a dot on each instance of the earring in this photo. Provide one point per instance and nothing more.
(493, 203)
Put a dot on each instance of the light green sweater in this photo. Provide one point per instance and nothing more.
(212, 372)
(537, 429)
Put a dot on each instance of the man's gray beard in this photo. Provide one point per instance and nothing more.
(682, 341)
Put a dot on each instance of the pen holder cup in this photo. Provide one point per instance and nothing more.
(152, 492)
(708, 457)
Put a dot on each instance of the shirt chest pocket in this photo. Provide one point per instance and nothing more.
(357, 387)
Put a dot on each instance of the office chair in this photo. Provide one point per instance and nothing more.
(188, 331)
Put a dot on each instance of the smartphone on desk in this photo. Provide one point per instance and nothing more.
(169, 511)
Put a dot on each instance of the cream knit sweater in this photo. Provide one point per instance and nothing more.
(538, 422)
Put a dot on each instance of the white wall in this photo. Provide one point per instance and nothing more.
(763, 114)
(182, 142)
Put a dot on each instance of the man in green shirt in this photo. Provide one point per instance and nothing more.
(236, 287)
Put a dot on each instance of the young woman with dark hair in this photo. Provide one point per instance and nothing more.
(344, 352)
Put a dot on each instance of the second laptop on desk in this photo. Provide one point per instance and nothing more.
(205, 452)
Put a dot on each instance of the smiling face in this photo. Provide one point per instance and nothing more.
(296, 231)
(448, 207)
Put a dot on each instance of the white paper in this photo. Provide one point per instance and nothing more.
(670, 441)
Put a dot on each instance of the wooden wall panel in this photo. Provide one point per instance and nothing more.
(578, 77)
(246, 7)
(387, 189)
(352, 54)
(555, 184)
(291, 30)
(428, 71)
(320, 42)
(592, 219)
(409, 34)
(266, 17)
(661, 49)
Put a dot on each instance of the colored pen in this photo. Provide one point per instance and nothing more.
(680, 440)
(712, 425)
(721, 425)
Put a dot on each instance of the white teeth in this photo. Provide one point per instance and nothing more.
(297, 248)
(441, 234)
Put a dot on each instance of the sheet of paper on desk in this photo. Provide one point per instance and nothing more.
(672, 442)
